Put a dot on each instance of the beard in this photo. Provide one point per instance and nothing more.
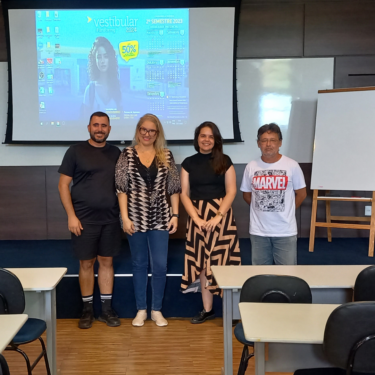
(270, 153)
(100, 140)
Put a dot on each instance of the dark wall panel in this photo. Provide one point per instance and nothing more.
(241, 209)
(354, 71)
(336, 29)
(3, 50)
(57, 221)
(275, 28)
(30, 207)
(23, 203)
(270, 30)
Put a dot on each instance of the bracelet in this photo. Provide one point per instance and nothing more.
(220, 214)
(176, 215)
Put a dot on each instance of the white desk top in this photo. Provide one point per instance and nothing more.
(233, 277)
(285, 322)
(9, 326)
(39, 279)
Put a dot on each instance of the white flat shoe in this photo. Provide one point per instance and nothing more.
(159, 319)
(139, 320)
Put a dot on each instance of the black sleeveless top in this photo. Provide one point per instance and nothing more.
(205, 184)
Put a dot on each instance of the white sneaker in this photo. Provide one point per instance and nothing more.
(139, 320)
(158, 318)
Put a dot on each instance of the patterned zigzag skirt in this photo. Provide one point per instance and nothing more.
(203, 250)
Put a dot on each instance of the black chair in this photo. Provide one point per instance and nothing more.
(364, 287)
(4, 369)
(271, 289)
(349, 340)
(12, 301)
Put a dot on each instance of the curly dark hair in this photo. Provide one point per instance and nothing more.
(218, 159)
(113, 77)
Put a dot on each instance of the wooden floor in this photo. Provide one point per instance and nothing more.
(181, 348)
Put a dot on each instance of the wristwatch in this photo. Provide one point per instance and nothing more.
(176, 215)
(220, 214)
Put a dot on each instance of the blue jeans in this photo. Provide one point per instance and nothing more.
(152, 244)
(267, 250)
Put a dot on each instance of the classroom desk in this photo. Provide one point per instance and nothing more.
(284, 327)
(9, 326)
(39, 285)
(329, 284)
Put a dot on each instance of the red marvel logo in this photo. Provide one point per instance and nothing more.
(270, 182)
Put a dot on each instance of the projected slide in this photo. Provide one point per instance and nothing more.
(175, 63)
(122, 62)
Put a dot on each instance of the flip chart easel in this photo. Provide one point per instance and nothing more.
(344, 156)
(329, 218)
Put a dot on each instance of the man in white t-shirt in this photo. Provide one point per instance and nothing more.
(273, 186)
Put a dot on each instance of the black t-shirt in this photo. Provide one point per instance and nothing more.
(204, 182)
(93, 191)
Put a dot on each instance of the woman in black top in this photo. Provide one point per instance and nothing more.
(145, 174)
(208, 181)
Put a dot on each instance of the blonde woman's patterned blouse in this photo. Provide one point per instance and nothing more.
(148, 207)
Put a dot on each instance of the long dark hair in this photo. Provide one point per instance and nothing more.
(94, 73)
(218, 159)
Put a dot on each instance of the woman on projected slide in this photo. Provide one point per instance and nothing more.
(103, 93)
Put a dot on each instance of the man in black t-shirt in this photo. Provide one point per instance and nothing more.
(93, 214)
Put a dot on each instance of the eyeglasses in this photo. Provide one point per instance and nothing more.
(151, 132)
(272, 141)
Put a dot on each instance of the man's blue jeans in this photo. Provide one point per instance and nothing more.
(152, 245)
(267, 250)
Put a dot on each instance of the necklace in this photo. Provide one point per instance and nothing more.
(148, 158)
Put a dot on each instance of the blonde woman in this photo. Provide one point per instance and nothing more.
(145, 174)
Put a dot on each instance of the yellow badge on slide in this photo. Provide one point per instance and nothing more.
(129, 50)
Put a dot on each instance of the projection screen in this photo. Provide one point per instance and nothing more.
(65, 64)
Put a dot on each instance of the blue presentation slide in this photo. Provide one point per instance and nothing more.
(122, 62)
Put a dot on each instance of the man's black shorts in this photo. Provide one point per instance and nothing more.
(103, 240)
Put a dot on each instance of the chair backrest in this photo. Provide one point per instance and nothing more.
(4, 366)
(364, 287)
(275, 289)
(12, 297)
(348, 325)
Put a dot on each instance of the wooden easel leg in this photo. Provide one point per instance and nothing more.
(372, 227)
(328, 216)
(313, 221)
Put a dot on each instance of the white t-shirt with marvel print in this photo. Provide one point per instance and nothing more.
(272, 186)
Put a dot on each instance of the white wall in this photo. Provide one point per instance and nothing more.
(284, 91)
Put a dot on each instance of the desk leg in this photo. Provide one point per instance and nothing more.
(260, 362)
(227, 326)
(50, 318)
